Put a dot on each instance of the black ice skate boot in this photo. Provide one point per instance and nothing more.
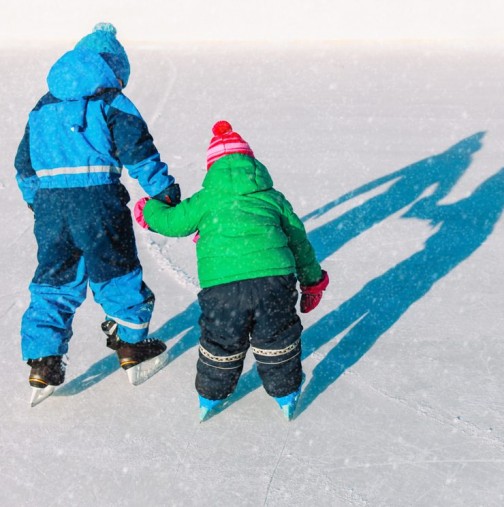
(140, 360)
(46, 373)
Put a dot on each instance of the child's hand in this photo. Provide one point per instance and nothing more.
(312, 294)
(170, 195)
(138, 212)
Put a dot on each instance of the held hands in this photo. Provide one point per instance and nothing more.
(138, 212)
(170, 195)
(312, 294)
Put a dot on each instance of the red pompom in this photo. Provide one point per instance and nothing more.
(222, 127)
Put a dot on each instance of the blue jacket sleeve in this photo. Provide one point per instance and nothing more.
(26, 177)
(135, 147)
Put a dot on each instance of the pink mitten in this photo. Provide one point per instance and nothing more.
(138, 212)
(312, 294)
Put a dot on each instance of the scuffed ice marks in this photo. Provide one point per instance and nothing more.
(164, 262)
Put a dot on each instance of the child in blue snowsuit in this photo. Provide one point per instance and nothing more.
(78, 138)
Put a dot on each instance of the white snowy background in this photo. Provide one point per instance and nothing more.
(392, 152)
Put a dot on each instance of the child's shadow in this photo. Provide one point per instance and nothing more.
(464, 227)
(442, 170)
(184, 322)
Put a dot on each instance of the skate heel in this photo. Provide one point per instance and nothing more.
(39, 394)
(206, 406)
(139, 373)
(140, 360)
(46, 373)
(289, 402)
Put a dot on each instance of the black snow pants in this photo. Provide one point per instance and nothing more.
(260, 313)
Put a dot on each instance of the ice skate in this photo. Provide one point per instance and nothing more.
(139, 372)
(39, 394)
(288, 403)
(46, 373)
(206, 406)
(140, 360)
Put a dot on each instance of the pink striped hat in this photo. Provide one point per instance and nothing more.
(224, 142)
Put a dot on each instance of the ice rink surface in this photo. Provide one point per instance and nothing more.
(392, 153)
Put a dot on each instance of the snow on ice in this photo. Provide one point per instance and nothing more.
(393, 155)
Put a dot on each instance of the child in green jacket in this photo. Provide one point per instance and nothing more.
(250, 247)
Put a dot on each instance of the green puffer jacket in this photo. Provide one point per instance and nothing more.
(247, 229)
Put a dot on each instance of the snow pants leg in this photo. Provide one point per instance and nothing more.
(46, 327)
(84, 235)
(128, 301)
(260, 313)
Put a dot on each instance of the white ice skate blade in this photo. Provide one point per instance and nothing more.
(145, 370)
(39, 394)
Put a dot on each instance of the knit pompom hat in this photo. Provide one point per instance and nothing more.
(103, 41)
(225, 142)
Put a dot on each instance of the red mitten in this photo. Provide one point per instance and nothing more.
(138, 212)
(312, 294)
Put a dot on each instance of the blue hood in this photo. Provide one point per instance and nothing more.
(80, 73)
(77, 75)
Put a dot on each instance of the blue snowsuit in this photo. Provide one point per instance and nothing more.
(78, 138)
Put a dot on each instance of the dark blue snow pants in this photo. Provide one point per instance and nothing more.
(84, 236)
(260, 313)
